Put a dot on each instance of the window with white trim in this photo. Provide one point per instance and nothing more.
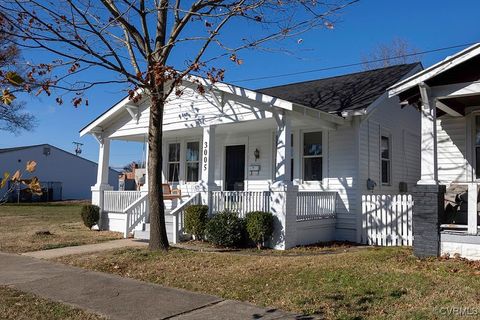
(192, 161)
(386, 162)
(312, 156)
(173, 161)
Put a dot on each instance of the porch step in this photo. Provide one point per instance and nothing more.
(144, 234)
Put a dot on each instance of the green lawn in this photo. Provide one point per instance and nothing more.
(17, 305)
(387, 283)
(18, 224)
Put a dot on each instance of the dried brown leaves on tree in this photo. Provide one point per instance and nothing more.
(143, 45)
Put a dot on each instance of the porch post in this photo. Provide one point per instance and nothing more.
(207, 183)
(144, 188)
(428, 195)
(102, 176)
(429, 164)
(283, 196)
(472, 208)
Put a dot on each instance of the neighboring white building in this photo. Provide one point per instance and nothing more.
(76, 174)
(304, 151)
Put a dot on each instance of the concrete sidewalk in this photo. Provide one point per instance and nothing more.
(120, 298)
(87, 248)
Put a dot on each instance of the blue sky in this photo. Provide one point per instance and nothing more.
(426, 25)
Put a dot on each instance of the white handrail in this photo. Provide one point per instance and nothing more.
(240, 202)
(179, 215)
(118, 201)
(136, 213)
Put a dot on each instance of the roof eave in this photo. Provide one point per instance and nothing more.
(434, 70)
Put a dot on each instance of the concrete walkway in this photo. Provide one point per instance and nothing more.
(88, 248)
(120, 298)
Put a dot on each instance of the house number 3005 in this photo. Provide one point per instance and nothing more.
(205, 156)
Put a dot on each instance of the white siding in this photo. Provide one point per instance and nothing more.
(76, 174)
(451, 146)
(341, 177)
(402, 125)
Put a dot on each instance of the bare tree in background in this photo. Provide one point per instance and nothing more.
(398, 51)
(134, 42)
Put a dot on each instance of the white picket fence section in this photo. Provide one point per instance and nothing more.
(178, 215)
(118, 201)
(136, 214)
(313, 205)
(387, 220)
(240, 202)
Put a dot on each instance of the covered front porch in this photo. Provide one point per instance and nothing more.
(266, 158)
(448, 96)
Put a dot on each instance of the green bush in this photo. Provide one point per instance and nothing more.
(196, 218)
(90, 215)
(225, 229)
(259, 226)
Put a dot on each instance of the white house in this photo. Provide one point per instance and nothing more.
(448, 94)
(305, 151)
(66, 175)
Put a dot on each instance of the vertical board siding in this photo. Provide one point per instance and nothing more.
(387, 220)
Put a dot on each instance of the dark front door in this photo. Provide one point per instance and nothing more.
(234, 168)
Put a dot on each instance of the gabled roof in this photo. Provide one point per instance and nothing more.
(219, 86)
(350, 92)
(448, 64)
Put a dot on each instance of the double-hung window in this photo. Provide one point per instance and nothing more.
(173, 161)
(386, 162)
(193, 161)
(312, 156)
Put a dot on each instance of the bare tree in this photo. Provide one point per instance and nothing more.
(398, 51)
(135, 42)
(13, 117)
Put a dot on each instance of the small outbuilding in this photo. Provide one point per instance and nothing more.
(63, 175)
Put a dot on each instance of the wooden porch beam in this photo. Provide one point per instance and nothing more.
(442, 106)
(456, 90)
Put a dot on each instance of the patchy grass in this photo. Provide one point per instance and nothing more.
(351, 284)
(18, 224)
(15, 304)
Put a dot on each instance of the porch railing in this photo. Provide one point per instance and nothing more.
(240, 202)
(312, 205)
(178, 215)
(118, 201)
(136, 213)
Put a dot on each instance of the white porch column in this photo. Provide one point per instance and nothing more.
(283, 164)
(429, 164)
(207, 182)
(102, 175)
(472, 208)
(283, 198)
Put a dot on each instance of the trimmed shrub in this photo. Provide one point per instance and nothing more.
(196, 218)
(259, 226)
(225, 229)
(90, 215)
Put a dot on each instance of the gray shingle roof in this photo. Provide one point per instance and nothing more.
(353, 91)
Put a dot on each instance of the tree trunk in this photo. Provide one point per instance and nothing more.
(158, 232)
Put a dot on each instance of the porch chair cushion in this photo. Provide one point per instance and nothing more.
(170, 194)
